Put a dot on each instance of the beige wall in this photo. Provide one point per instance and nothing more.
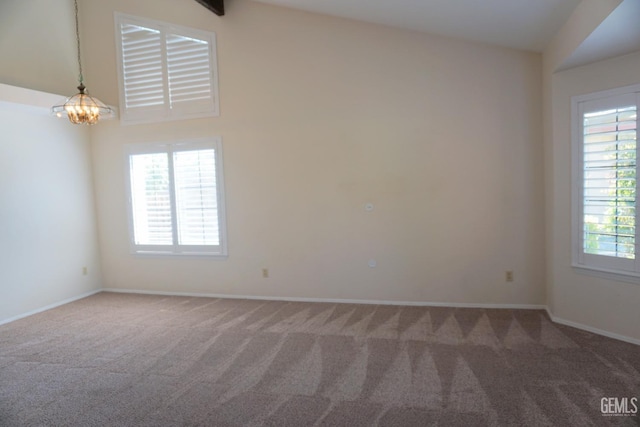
(47, 209)
(586, 17)
(582, 22)
(320, 116)
(597, 304)
(48, 231)
(38, 45)
(606, 305)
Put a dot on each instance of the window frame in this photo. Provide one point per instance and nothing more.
(164, 113)
(220, 251)
(600, 265)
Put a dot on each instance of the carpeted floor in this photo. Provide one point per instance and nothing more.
(139, 360)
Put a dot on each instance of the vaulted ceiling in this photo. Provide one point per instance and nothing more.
(520, 24)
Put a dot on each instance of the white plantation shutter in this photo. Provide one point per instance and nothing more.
(166, 72)
(142, 67)
(196, 203)
(151, 199)
(610, 182)
(189, 69)
(605, 172)
(176, 198)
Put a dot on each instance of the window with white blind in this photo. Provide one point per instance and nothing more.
(176, 198)
(605, 152)
(165, 72)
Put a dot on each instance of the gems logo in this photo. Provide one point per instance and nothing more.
(619, 407)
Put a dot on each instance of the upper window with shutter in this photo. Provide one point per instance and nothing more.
(605, 185)
(176, 198)
(166, 72)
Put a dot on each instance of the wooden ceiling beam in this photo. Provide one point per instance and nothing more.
(215, 6)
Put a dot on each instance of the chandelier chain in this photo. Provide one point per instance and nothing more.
(81, 108)
(81, 79)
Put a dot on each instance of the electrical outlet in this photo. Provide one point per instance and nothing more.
(265, 273)
(508, 276)
(85, 271)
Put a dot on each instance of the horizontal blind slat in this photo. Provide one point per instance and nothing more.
(151, 200)
(189, 69)
(165, 71)
(196, 201)
(142, 66)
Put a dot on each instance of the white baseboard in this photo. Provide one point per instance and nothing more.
(386, 302)
(48, 307)
(333, 300)
(554, 318)
(591, 329)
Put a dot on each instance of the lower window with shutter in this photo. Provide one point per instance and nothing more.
(176, 198)
(605, 185)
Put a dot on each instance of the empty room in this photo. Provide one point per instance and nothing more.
(319, 213)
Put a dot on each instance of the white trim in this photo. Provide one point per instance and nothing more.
(49, 307)
(331, 300)
(169, 147)
(606, 93)
(553, 318)
(33, 101)
(576, 184)
(604, 273)
(591, 329)
(28, 98)
(606, 267)
(165, 113)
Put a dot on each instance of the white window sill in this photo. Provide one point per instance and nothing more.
(209, 255)
(603, 273)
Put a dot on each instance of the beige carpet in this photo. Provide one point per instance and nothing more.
(137, 360)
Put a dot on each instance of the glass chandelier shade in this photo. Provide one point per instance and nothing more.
(82, 108)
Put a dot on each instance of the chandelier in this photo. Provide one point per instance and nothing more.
(82, 108)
